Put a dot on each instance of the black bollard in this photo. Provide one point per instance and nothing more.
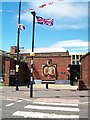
(46, 85)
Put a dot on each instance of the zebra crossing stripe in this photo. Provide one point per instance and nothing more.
(42, 115)
(19, 101)
(61, 104)
(52, 108)
(9, 104)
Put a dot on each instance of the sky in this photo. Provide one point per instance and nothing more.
(70, 28)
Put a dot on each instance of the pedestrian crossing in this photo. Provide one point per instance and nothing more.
(37, 107)
(42, 115)
(54, 110)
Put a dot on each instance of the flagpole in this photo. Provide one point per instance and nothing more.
(17, 65)
(31, 82)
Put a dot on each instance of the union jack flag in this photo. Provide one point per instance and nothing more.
(43, 21)
(21, 26)
(39, 20)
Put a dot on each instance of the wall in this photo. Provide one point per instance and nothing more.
(7, 71)
(10, 74)
(85, 70)
(60, 59)
(61, 63)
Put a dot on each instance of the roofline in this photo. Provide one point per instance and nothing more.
(84, 56)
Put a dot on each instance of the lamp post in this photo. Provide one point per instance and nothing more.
(17, 65)
(31, 82)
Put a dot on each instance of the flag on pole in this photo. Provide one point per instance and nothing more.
(21, 26)
(48, 22)
(41, 6)
(43, 21)
(39, 20)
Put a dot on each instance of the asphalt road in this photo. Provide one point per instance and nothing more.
(46, 104)
(39, 109)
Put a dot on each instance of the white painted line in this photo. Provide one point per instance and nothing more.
(42, 115)
(19, 101)
(51, 108)
(9, 104)
(25, 99)
(84, 102)
(61, 104)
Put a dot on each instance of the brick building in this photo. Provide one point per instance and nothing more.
(3, 56)
(85, 70)
(57, 69)
(49, 64)
(10, 74)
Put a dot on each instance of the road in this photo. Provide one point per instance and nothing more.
(52, 104)
(41, 109)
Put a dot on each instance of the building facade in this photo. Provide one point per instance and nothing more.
(49, 64)
(85, 70)
(3, 55)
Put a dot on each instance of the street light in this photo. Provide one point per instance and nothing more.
(17, 65)
(32, 55)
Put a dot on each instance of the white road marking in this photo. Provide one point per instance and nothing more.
(9, 104)
(25, 99)
(42, 115)
(19, 101)
(58, 100)
(61, 104)
(51, 108)
(84, 102)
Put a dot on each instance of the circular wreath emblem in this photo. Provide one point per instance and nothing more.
(45, 71)
(49, 71)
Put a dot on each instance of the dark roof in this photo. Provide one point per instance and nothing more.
(85, 55)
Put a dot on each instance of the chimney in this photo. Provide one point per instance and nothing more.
(13, 49)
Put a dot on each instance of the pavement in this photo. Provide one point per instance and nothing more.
(53, 93)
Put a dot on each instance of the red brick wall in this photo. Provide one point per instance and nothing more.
(60, 61)
(85, 67)
(23, 72)
(7, 71)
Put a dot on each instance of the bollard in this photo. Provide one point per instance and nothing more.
(46, 85)
(80, 84)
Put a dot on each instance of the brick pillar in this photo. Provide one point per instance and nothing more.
(13, 49)
(7, 72)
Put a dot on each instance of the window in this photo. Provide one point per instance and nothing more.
(77, 62)
(77, 56)
(73, 56)
(80, 56)
(73, 62)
